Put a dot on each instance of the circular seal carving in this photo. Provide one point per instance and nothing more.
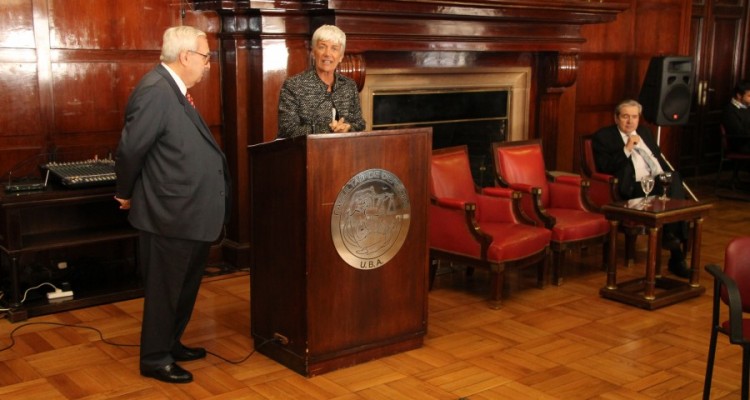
(370, 219)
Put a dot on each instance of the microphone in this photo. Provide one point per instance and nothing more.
(334, 110)
(314, 112)
(334, 113)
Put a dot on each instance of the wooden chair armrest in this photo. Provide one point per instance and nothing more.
(461, 214)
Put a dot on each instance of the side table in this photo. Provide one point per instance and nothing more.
(654, 291)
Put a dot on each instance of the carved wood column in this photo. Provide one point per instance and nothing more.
(558, 71)
(254, 65)
(235, 81)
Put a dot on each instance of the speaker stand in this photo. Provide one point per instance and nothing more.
(658, 143)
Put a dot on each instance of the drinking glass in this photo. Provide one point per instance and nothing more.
(666, 180)
(647, 184)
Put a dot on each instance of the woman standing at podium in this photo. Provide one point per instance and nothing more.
(321, 100)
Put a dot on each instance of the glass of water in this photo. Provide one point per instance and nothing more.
(647, 184)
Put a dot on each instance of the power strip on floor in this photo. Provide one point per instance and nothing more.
(59, 294)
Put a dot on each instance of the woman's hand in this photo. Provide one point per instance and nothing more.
(339, 126)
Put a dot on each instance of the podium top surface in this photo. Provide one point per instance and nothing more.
(330, 136)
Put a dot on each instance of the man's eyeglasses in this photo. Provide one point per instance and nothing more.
(206, 57)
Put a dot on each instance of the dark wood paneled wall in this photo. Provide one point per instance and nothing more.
(615, 58)
(67, 67)
(718, 40)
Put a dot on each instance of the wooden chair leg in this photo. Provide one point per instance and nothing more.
(497, 275)
(710, 364)
(433, 270)
(542, 271)
(559, 261)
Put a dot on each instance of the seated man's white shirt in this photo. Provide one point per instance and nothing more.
(641, 168)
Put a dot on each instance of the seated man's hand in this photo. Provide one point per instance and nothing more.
(339, 126)
(632, 141)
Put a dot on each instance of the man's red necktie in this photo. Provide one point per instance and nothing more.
(190, 99)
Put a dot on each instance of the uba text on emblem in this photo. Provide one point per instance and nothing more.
(370, 219)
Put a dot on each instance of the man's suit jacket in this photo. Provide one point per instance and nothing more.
(736, 122)
(610, 157)
(169, 165)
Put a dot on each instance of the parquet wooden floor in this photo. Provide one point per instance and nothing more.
(558, 343)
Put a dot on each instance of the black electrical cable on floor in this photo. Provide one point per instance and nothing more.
(101, 336)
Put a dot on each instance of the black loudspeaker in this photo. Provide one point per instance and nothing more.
(667, 90)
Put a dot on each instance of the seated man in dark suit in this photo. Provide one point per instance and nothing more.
(630, 152)
(736, 118)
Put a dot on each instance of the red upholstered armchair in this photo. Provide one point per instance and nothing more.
(603, 190)
(559, 203)
(602, 187)
(728, 154)
(731, 287)
(484, 229)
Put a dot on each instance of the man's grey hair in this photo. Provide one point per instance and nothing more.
(628, 103)
(330, 33)
(178, 39)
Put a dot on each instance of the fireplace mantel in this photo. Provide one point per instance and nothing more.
(423, 25)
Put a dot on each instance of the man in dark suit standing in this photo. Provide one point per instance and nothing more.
(629, 152)
(736, 118)
(173, 177)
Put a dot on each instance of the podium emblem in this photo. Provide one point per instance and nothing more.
(370, 219)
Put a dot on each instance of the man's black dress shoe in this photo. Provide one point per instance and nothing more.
(171, 373)
(189, 354)
(678, 267)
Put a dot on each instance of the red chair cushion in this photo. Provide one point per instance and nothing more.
(737, 267)
(515, 241)
(573, 225)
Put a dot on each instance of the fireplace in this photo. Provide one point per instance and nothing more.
(472, 107)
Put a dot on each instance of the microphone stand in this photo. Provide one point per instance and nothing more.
(684, 185)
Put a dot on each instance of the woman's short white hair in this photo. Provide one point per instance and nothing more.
(178, 39)
(330, 33)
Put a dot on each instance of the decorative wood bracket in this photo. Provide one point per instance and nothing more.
(560, 70)
(353, 66)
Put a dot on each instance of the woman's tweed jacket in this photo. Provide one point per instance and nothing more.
(305, 104)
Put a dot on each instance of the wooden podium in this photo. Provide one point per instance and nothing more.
(339, 258)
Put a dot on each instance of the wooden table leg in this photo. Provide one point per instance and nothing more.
(612, 263)
(658, 253)
(649, 292)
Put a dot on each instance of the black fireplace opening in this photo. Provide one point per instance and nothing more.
(474, 118)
